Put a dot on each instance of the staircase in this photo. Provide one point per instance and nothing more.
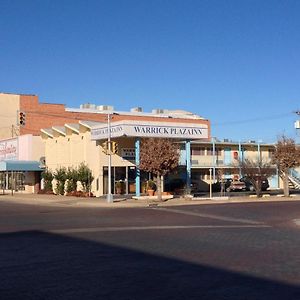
(294, 179)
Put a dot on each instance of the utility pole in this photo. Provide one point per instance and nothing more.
(297, 123)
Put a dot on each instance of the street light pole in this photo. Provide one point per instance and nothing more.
(210, 185)
(109, 194)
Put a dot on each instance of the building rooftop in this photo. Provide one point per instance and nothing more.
(136, 111)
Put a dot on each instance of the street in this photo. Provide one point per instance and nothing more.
(225, 251)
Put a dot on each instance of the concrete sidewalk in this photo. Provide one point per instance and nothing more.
(67, 201)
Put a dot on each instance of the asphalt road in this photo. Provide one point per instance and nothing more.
(235, 194)
(230, 251)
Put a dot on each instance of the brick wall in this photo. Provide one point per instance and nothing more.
(45, 115)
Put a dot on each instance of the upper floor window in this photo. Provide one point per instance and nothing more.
(198, 151)
(209, 151)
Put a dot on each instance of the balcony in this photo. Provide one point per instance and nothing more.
(205, 163)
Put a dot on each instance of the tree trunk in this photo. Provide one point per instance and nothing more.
(159, 194)
(286, 189)
(258, 188)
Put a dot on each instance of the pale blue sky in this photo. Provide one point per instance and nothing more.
(236, 63)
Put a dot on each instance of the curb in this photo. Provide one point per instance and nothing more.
(55, 201)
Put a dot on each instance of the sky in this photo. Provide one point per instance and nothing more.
(234, 62)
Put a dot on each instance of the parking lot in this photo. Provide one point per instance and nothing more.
(225, 251)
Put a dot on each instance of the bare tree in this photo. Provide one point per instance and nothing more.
(286, 156)
(220, 179)
(159, 157)
(256, 171)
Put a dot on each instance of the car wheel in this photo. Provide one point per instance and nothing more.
(228, 190)
(251, 188)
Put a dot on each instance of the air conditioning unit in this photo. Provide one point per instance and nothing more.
(158, 111)
(136, 109)
(87, 106)
(105, 107)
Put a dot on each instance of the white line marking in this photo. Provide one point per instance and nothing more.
(190, 213)
(134, 228)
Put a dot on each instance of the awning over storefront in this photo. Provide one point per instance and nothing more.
(150, 129)
(19, 165)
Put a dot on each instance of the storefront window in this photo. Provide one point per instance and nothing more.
(12, 180)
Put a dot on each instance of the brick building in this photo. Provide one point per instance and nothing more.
(44, 115)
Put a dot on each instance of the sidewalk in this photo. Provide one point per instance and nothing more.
(66, 201)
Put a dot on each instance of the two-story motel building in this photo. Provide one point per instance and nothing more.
(200, 156)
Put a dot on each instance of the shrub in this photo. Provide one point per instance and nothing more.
(151, 185)
(72, 178)
(85, 177)
(144, 186)
(47, 175)
(60, 175)
(120, 187)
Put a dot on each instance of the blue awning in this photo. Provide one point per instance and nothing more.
(19, 165)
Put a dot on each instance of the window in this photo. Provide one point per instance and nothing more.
(271, 153)
(198, 151)
(235, 155)
(195, 151)
(209, 151)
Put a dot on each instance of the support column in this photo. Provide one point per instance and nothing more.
(188, 165)
(214, 159)
(6, 180)
(240, 159)
(127, 181)
(137, 164)
(258, 152)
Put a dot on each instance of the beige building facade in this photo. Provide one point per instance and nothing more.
(72, 144)
(8, 121)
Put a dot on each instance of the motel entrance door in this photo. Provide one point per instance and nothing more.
(122, 180)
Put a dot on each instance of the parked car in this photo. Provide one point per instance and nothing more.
(250, 187)
(236, 185)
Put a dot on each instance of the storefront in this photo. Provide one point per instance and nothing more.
(19, 172)
(20, 176)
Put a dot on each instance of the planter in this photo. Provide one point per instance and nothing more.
(150, 192)
(119, 187)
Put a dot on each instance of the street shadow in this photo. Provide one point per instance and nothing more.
(40, 265)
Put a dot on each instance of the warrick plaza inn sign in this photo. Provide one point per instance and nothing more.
(150, 129)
